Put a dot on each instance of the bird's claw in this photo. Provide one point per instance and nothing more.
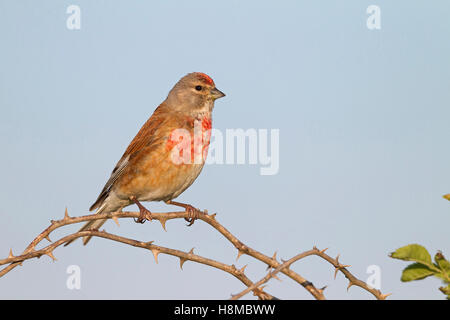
(193, 214)
(144, 215)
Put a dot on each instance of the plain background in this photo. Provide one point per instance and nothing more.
(364, 138)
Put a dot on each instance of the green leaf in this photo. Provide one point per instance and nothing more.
(413, 252)
(441, 275)
(416, 271)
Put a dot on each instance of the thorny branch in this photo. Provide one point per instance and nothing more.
(31, 252)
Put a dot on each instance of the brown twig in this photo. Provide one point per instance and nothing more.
(272, 274)
(320, 253)
(162, 218)
(155, 249)
(31, 252)
(353, 281)
(270, 261)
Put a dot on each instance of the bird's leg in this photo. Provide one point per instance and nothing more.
(144, 213)
(193, 213)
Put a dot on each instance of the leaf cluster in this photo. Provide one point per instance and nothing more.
(423, 265)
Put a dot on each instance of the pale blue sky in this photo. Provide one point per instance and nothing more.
(364, 133)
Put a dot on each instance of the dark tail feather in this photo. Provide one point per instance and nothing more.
(102, 197)
(94, 224)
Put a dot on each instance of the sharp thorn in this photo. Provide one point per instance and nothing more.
(339, 267)
(182, 261)
(116, 220)
(50, 254)
(349, 285)
(10, 254)
(155, 254)
(384, 296)
(213, 216)
(323, 251)
(276, 277)
(274, 257)
(242, 269)
(191, 251)
(240, 253)
(66, 214)
(163, 223)
(48, 238)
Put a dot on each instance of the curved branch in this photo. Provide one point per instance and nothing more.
(155, 249)
(270, 261)
(272, 274)
(320, 253)
(31, 252)
(162, 218)
(353, 281)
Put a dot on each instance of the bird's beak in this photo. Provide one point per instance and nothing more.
(216, 94)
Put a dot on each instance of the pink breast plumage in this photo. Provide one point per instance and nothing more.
(191, 147)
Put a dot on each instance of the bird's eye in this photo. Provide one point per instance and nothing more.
(198, 88)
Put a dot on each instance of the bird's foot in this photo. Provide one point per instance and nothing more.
(144, 213)
(193, 213)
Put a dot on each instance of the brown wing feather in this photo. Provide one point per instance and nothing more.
(145, 137)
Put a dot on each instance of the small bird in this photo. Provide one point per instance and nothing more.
(166, 155)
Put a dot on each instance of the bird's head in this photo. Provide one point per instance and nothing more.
(194, 92)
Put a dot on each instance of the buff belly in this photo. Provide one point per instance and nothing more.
(162, 182)
(172, 182)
